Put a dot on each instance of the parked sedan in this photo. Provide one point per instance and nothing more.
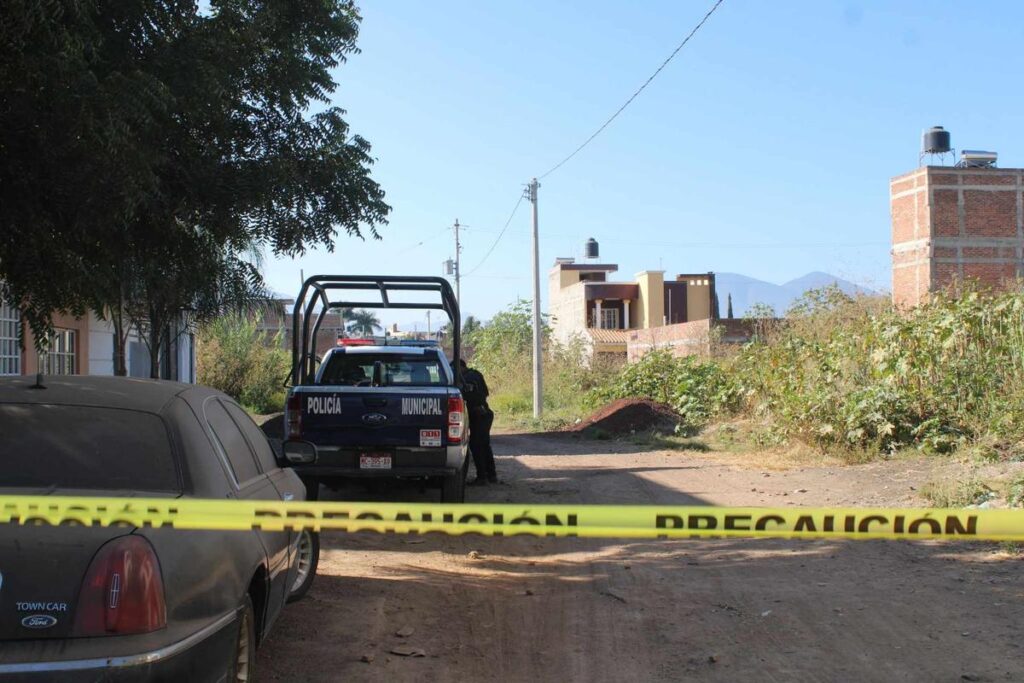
(120, 603)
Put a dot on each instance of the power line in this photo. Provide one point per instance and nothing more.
(639, 90)
(498, 238)
(519, 234)
(423, 241)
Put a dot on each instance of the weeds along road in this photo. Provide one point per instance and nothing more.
(516, 609)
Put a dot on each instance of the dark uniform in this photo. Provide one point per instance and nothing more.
(480, 420)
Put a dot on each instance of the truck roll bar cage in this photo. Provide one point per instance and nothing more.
(318, 289)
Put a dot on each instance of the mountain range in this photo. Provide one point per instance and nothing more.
(747, 291)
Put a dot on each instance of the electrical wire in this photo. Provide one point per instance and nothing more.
(634, 95)
(422, 242)
(498, 238)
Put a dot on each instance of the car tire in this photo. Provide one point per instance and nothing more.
(308, 558)
(243, 659)
(453, 486)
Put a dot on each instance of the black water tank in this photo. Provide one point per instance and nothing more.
(935, 141)
(590, 249)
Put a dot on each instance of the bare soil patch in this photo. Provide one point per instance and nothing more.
(540, 609)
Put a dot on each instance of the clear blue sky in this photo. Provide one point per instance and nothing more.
(764, 148)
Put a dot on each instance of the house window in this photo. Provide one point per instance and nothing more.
(60, 355)
(610, 318)
(10, 347)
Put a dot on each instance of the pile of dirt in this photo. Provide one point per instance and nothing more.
(628, 415)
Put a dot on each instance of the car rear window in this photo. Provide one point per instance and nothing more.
(401, 370)
(84, 447)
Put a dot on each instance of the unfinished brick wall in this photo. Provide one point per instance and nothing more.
(952, 224)
(694, 338)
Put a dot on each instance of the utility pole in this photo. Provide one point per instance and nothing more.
(458, 273)
(538, 406)
(428, 322)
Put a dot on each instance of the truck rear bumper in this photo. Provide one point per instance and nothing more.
(319, 472)
(333, 461)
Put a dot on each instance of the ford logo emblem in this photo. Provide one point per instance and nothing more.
(375, 419)
(39, 621)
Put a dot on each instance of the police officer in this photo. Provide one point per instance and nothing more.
(480, 420)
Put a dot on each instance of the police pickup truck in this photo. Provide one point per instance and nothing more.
(373, 409)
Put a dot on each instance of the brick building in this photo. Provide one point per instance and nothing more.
(694, 338)
(275, 322)
(952, 224)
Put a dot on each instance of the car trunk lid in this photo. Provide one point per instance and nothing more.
(42, 569)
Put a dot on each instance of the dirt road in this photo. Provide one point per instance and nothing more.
(484, 609)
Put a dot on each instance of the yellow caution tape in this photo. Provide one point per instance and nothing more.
(606, 521)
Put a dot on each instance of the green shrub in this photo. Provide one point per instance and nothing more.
(503, 351)
(235, 357)
(851, 375)
(957, 493)
(697, 389)
(845, 373)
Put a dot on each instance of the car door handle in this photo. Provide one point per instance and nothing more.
(288, 496)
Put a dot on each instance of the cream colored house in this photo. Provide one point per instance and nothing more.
(585, 304)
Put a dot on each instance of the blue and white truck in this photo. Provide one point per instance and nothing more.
(374, 409)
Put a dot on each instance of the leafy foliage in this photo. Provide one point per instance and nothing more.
(861, 374)
(362, 321)
(858, 376)
(150, 149)
(236, 357)
(699, 390)
(508, 334)
(470, 325)
(502, 350)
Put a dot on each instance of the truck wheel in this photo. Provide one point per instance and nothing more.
(453, 487)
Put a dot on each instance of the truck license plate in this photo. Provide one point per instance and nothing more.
(375, 462)
(430, 437)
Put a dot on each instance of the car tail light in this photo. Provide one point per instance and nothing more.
(455, 426)
(123, 591)
(293, 417)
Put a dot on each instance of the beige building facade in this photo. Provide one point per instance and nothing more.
(585, 304)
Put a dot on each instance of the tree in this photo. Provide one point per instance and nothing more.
(761, 317)
(137, 137)
(759, 311)
(509, 331)
(362, 321)
(470, 325)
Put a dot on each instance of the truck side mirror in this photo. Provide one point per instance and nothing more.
(299, 452)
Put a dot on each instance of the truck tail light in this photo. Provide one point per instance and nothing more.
(455, 426)
(293, 417)
(123, 591)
